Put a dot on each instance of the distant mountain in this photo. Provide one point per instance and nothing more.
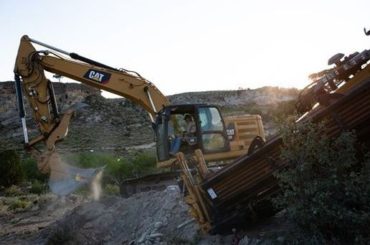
(261, 96)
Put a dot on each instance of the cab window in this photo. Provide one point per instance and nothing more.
(212, 130)
(210, 119)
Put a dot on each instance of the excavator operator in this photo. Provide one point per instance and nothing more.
(188, 135)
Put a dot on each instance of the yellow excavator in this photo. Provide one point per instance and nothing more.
(338, 97)
(217, 138)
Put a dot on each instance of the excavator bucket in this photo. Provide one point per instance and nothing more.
(65, 178)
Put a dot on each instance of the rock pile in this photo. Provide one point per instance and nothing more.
(154, 217)
(147, 218)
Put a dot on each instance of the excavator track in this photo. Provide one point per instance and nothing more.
(157, 181)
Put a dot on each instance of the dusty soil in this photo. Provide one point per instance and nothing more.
(153, 217)
(23, 225)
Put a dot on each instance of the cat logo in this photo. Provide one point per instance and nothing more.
(97, 76)
(230, 131)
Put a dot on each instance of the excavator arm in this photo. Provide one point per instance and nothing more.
(30, 70)
(31, 81)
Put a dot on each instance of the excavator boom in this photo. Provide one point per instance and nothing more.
(29, 72)
(31, 63)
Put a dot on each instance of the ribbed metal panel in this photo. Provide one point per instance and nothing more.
(249, 180)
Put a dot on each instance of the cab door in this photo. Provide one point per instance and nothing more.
(212, 132)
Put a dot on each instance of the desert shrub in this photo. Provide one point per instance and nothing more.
(37, 187)
(13, 191)
(135, 166)
(144, 163)
(115, 172)
(92, 159)
(11, 172)
(111, 189)
(19, 204)
(326, 188)
(31, 172)
(117, 168)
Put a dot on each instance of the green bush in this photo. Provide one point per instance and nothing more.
(92, 159)
(144, 163)
(37, 187)
(326, 188)
(117, 168)
(115, 172)
(110, 189)
(136, 166)
(19, 204)
(32, 173)
(11, 172)
(13, 191)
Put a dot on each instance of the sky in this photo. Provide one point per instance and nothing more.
(193, 45)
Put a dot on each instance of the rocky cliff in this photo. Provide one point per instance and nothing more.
(117, 124)
(103, 124)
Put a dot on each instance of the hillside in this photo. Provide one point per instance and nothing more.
(117, 124)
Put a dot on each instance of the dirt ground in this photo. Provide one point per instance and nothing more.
(23, 225)
(154, 217)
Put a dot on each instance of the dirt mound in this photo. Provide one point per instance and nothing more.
(154, 217)
(146, 218)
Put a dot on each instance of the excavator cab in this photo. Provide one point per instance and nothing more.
(209, 134)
